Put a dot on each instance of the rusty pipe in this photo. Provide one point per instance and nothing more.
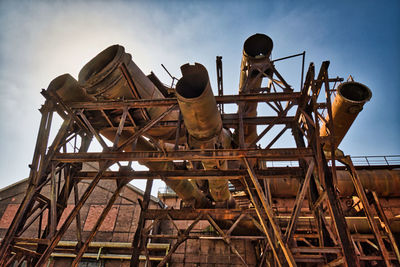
(187, 190)
(104, 77)
(355, 224)
(202, 120)
(349, 101)
(68, 89)
(386, 183)
(197, 103)
(256, 50)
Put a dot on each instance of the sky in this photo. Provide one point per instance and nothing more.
(40, 40)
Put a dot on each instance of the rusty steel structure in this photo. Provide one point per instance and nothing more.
(212, 160)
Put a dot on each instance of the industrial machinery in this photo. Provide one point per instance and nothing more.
(226, 168)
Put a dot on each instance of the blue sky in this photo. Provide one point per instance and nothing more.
(40, 40)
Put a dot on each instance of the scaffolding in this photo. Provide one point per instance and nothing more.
(280, 243)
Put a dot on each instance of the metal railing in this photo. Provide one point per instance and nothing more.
(376, 160)
(392, 160)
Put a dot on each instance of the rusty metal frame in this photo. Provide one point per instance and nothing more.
(318, 180)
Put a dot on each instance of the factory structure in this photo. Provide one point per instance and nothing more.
(236, 194)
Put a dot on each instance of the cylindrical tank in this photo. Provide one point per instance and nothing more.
(103, 78)
(354, 224)
(256, 49)
(386, 183)
(349, 101)
(203, 122)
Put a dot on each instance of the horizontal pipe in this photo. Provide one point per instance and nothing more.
(355, 224)
(349, 101)
(386, 183)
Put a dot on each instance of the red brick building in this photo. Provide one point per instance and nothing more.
(112, 244)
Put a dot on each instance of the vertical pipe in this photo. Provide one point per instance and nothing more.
(256, 50)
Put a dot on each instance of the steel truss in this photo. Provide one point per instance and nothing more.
(330, 242)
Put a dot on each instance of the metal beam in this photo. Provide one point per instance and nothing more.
(298, 203)
(143, 103)
(269, 173)
(99, 221)
(278, 154)
(57, 237)
(137, 242)
(270, 215)
(216, 214)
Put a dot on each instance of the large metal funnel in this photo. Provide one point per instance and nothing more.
(203, 121)
(349, 101)
(68, 89)
(103, 77)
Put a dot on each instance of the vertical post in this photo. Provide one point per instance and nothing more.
(241, 126)
(270, 215)
(178, 129)
(53, 203)
(302, 69)
(331, 126)
(57, 237)
(261, 217)
(40, 149)
(367, 209)
(78, 216)
(298, 203)
(383, 217)
(220, 81)
(137, 245)
(339, 218)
